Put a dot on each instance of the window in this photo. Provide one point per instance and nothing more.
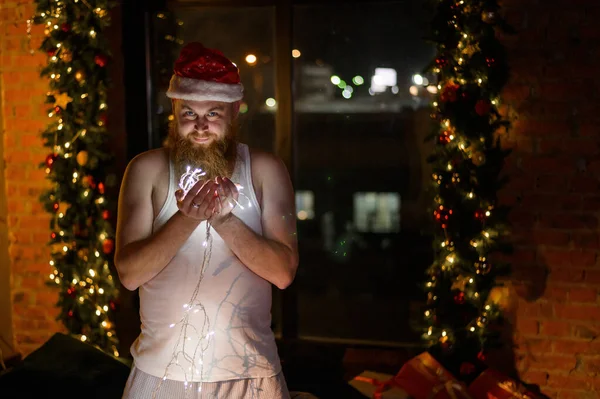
(359, 132)
(377, 212)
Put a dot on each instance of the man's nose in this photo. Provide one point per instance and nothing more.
(201, 124)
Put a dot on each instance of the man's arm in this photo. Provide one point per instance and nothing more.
(141, 255)
(274, 255)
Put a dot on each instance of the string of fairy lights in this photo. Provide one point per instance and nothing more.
(195, 331)
(81, 237)
(466, 161)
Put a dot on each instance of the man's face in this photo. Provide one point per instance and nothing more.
(203, 122)
(203, 136)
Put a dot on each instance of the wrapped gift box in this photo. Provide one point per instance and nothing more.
(423, 377)
(378, 386)
(492, 384)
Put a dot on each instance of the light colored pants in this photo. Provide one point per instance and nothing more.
(144, 386)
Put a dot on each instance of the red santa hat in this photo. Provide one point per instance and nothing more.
(202, 74)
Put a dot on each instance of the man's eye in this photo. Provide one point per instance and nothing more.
(189, 113)
(212, 114)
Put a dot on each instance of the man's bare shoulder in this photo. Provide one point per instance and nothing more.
(265, 162)
(150, 163)
(152, 159)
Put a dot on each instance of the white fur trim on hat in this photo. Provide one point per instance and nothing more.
(202, 90)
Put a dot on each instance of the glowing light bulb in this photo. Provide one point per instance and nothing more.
(190, 178)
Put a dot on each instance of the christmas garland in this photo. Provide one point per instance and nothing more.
(461, 320)
(81, 238)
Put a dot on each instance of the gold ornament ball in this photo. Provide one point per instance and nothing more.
(82, 158)
(79, 76)
(101, 12)
(66, 56)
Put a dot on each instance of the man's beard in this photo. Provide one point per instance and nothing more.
(216, 159)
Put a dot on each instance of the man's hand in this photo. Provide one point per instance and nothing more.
(228, 197)
(200, 202)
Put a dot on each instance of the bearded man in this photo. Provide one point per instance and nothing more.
(204, 258)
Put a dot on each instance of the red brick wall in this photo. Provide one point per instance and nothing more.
(23, 118)
(555, 171)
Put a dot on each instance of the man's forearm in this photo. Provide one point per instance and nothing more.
(268, 259)
(140, 261)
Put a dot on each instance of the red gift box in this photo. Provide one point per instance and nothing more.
(378, 386)
(423, 377)
(492, 384)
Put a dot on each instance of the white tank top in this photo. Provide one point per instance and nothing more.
(237, 303)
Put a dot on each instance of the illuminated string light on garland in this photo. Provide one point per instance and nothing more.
(469, 224)
(81, 236)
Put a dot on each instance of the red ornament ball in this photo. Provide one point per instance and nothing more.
(108, 246)
(113, 305)
(490, 61)
(101, 60)
(71, 291)
(441, 62)
(65, 27)
(105, 215)
(53, 235)
(459, 298)
(449, 92)
(483, 107)
(51, 53)
(70, 313)
(57, 109)
(101, 188)
(50, 160)
(445, 137)
(55, 206)
(481, 356)
(442, 215)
